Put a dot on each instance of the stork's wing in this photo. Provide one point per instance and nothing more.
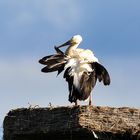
(43, 60)
(53, 63)
(87, 83)
(54, 67)
(101, 73)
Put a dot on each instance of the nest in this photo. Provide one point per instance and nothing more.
(84, 122)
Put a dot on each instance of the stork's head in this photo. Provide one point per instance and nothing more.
(75, 40)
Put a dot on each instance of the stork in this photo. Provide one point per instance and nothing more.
(81, 69)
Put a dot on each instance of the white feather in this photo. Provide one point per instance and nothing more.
(75, 70)
(78, 66)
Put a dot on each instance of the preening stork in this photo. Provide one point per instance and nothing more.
(81, 69)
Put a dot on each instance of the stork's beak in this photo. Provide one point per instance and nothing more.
(65, 44)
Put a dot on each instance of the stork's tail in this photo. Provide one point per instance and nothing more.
(55, 62)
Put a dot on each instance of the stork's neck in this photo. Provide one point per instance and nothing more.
(70, 49)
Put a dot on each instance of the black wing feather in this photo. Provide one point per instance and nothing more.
(54, 62)
(102, 73)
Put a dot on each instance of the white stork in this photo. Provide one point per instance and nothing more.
(81, 69)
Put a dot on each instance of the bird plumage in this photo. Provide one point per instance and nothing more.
(81, 69)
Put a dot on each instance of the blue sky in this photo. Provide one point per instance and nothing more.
(30, 29)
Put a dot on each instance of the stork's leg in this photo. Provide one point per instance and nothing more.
(76, 103)
(90, 99)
